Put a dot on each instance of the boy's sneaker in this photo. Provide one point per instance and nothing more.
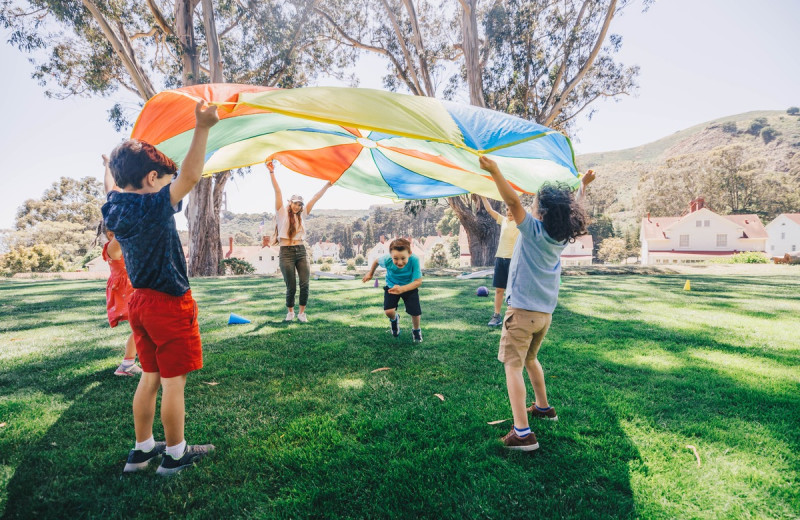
(395, 326)
(417, 335)
(191, 454)
(496, 320)
(302, 317)
(513, 442)
(289, 316)
(132, 370)
(549, 414)
(138, 459)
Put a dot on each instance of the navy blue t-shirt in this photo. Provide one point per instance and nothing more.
(144, 225)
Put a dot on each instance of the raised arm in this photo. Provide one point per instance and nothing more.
(108, 181)
(510, 196)
(586, 179)
(192, 166)
(275, 186)
(488, 207)
(318, 196)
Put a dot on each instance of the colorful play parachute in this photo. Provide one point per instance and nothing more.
(376, 142)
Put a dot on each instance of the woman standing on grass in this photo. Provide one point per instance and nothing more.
(290, 233)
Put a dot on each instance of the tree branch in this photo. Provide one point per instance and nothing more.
(161, 21)
(568, 42)
(423, 65)
(586, 66)
(138, 35)
(403, 47)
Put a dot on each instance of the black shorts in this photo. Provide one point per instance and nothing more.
(500, 279)
(410, 300)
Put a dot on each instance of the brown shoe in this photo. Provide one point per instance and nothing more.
(550, 413)
(513, 442)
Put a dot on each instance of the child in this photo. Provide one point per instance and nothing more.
(162, 312)
(403, 278)
(556, 219)
(118, 292)
(505, 247)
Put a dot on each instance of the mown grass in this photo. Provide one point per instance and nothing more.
(637, 368)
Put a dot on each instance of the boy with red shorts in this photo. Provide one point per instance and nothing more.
(162, 312)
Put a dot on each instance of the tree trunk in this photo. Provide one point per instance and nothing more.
(472, 61)
(483, 233)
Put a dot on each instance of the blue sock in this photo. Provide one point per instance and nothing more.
(523, 432)
(543, 409)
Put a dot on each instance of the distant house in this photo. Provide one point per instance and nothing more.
(578, 252)
(783, 234)
(378, 250)
(265, 260)
(699, 235)
(322, 250)
(98, 265)
(463, 244)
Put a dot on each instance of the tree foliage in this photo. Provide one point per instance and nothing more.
(39, 258)
(612, 250)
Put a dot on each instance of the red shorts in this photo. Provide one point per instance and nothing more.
(166, 332)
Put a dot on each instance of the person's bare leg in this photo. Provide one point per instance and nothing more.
(415, 321)
(498, 299)
(517, 396)
(391, 313)
(302, 309)
(144, 405)
(130, 348)
(173, 411)
(536, 374)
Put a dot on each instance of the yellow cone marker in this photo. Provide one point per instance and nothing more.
(687, 286)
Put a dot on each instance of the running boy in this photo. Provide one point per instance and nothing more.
(163, 314)
(403, 278)
(557, 217)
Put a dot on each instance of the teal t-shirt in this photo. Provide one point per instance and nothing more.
(397, 276)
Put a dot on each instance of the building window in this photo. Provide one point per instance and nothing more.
(259, 258)
(794, 247)
(783, 235)
(772, 248)
(707, 223)
(684, 241)
(722, 240)
(273, 258)
(699, 223)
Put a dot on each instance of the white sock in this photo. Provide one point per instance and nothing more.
(147, 445)
(128, 362)
(176, 451)
(523, 432)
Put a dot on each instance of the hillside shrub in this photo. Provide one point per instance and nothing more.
(351, 265)
(756, 126)
(325, 268)
(746, 257)
(793, 111)
(360, 260)
(730, 127)
(236, 266)
(769, 134)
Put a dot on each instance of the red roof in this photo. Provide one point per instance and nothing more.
(753, 228)
(654, 227)
(794, 217)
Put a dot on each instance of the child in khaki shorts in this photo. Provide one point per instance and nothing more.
(556, 219)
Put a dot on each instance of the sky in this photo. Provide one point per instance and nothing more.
(699, 59)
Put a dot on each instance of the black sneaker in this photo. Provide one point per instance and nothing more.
(417, 335)
(138, 459)
(191, 454)
(395, 326)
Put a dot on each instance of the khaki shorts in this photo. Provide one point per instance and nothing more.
(523, 332)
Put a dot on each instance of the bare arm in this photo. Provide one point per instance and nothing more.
(510, 196)
(108, 181)
(318, 196)
(400, 289)
(114, 250)
(488, 207)
(275, 186)
(586, 179)
(192, 166)
(368, 276)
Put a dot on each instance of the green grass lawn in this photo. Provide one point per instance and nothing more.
(637, 368)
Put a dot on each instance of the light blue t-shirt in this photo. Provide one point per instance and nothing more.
(535, 269)
(397, 276)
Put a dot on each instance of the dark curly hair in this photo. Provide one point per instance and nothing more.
(132, 160)
(563, 217)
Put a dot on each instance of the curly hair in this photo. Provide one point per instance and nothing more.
(563, 217)
(132, 160)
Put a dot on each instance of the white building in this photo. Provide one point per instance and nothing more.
(266, 260)
(783, 234)
(322, 250)
(379, 249)
(699, 235)
(578, 252)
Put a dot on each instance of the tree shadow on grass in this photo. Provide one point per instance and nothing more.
(306, 429)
